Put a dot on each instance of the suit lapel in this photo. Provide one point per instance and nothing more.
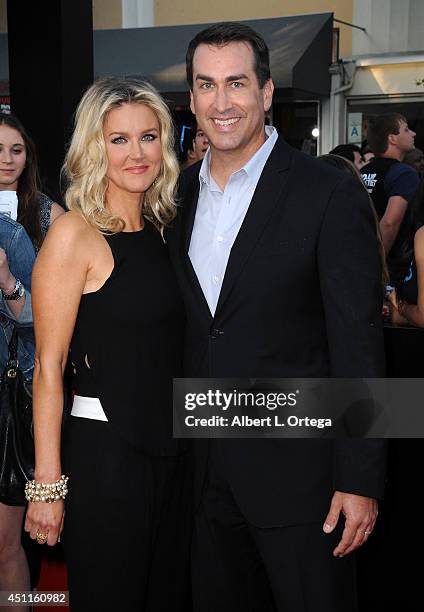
(267, 195)
(188, 212)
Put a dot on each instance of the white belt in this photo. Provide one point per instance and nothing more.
(88, 408)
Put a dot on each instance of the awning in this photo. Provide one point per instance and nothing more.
(300, 52)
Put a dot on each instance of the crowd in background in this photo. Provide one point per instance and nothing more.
(391, 169)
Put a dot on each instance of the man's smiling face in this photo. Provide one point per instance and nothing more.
(226, 98)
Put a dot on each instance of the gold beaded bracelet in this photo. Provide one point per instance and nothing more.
(42, 492)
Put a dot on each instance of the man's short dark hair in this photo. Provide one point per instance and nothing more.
(347, 151)
(220, 34)
(379, 130)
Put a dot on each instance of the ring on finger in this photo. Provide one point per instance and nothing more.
(41, 537)
(367, 532)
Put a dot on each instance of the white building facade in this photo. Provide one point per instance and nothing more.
(384, 73)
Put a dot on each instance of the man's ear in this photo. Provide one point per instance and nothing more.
(192, 102)
(392, 139)
(268, 91)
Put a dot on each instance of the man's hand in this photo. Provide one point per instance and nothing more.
(361, 515)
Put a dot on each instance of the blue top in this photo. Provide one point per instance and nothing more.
(401, 180)
(19, 250)
(21, 255)
(386, 177)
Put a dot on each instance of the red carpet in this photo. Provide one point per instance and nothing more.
(53, 575)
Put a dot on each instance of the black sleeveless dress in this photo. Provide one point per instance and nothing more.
(408, 291)
(128, 513)
(130, 334)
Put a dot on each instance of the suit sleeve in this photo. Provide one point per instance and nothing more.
(350, 278)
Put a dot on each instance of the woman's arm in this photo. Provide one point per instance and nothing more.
(414, 313)
(59, 278)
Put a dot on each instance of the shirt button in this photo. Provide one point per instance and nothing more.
(215, 279)
(215, 333)
(220, 238)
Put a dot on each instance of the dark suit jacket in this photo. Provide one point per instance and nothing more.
(301, 297)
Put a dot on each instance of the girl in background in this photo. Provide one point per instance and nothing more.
(20, 242)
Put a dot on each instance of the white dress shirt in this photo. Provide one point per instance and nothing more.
(219, 216)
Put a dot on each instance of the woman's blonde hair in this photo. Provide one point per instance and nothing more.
(86, 162)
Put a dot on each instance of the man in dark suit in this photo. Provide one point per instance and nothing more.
(277, 257)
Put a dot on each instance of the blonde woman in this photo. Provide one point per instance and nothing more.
(104, 289)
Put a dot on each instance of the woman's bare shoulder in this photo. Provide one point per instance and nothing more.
(72, 225)
(70, 236)
(419, 234)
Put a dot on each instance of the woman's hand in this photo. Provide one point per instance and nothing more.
(45, 518)
(7, 281)
(396, 317)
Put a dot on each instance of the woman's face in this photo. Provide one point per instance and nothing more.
(133, 148)
(12, 157)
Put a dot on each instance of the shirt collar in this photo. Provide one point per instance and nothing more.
(205, 169)
(255, 165)
(253, 168)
